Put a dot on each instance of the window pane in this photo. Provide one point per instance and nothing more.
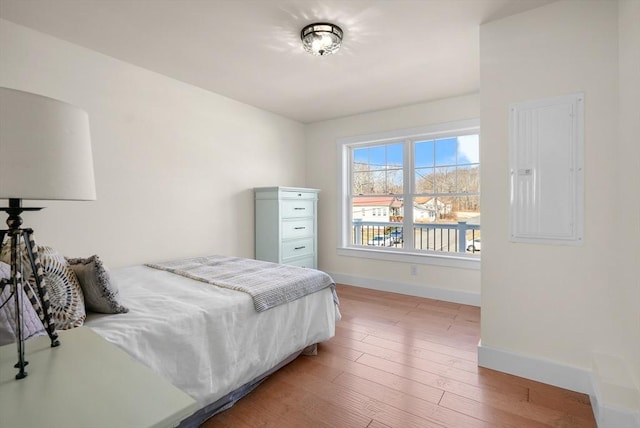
(361, 158)
(439, 221)
(394, 181)
(433, 228)
(424, 154)
(423, 209)
(424, 180)
(377, 221)
(468, 209)
(377, 158)
(362, 182)
(469, 178)
(446, 151)
(378, 183)
(395, 155)
(445, 179)
(469, 149)
(377, 170)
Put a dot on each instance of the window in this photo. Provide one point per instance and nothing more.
(422, 187)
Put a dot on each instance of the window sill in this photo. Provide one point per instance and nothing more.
(466, 261)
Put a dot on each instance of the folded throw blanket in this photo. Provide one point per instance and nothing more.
(269, 284)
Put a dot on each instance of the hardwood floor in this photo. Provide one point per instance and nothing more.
(401, 361)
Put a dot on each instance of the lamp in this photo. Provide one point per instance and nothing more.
(321, 38)
(45, 154)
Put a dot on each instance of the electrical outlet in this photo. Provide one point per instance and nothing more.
(414, 270)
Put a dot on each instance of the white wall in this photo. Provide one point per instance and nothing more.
(563, 305)
(628, 179)
(174, 164)
(323, 172)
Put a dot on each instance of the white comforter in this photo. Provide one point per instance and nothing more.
(204, 339)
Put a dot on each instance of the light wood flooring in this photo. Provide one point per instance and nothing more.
(401, 361)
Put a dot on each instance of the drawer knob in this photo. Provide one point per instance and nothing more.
(300, 248)
(299, 227)
(299, 208)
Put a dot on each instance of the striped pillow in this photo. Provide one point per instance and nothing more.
(100, 293)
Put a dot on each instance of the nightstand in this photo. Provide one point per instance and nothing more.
(86, 382)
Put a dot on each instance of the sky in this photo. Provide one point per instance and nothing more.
(442, 151)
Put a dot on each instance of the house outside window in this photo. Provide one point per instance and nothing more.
(424, 186)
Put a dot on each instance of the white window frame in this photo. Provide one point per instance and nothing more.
(407, 255)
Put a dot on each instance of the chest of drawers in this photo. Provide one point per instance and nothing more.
(286, 225)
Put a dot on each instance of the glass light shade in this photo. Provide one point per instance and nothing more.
(45, 149)
(321, 38)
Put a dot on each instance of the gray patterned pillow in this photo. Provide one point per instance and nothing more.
(100, 293)
(65, 295)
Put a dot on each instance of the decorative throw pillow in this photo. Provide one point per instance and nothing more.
(31, 324)
(65, 294)
(100, 293)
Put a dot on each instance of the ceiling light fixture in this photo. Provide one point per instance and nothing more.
(321, 38)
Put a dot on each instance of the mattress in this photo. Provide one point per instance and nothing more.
(207, 340)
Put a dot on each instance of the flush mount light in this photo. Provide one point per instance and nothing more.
(321, 38)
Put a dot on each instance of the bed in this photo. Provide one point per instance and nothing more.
(207, 340)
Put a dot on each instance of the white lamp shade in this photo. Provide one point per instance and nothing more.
(45, 149)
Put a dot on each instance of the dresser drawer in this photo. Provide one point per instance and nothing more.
(297, 208)
(297, 228)
(300, 195)
(297, 248)
(306, 262)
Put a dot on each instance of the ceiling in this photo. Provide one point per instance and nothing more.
(394, 53)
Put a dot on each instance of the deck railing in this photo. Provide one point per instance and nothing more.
(458, 237)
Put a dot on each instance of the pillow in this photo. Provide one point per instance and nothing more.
(100, 293)
(66, 302)
(31, 324)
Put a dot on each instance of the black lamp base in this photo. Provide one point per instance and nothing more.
(15, 234)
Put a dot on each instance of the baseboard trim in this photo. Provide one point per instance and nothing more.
(615, 393)
(562, 376)
(613, 417)
(537, 369)
(431, 292)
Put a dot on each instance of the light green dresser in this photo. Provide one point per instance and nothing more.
(286, 225)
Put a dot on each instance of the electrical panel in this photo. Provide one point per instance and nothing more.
(546, 167)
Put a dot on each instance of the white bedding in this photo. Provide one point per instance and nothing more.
(204, 339)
